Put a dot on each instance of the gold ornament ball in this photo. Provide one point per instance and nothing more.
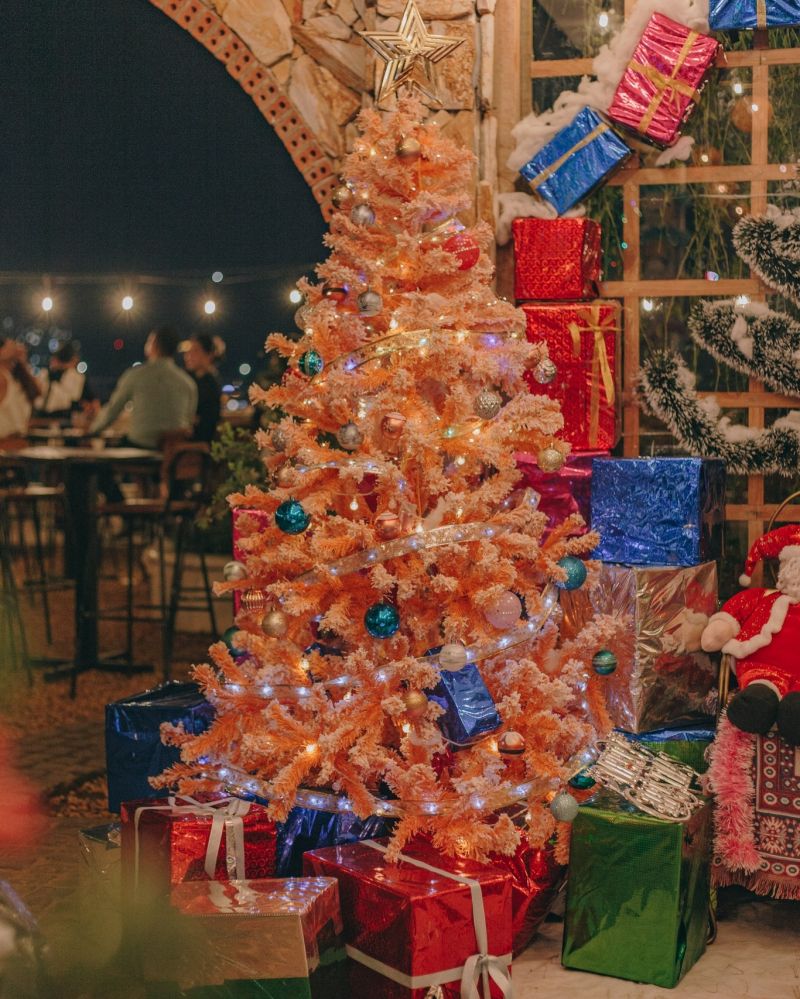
(511, 743)
(253, 601)
(504, 611)
(341, 196)
(392, 424)
(284, 477)
(550, 460)
(488, 404)
(275, 623)
(545, 371)
(453, 657)
(409, 149)
(416, 703)
(388, 526)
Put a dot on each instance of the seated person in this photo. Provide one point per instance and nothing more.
(18, 389)
(199, 358)
(64, 389)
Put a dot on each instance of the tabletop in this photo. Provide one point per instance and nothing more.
(83, 455)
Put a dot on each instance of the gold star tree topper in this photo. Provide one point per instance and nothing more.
(410, 54)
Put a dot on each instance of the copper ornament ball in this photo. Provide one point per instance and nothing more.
(416, 703)
(275, 623)
(550, 460)
(409, 148)
(392, 424)
(511, 743)
(334, 293)
(341, 196)
(253, 601)
(388, 526)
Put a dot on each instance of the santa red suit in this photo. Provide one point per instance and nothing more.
(760, 628)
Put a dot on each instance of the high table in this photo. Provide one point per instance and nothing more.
(79, 468)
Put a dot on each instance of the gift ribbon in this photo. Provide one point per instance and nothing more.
(761, 13)
(554, 167)
(479, 967)
(601, 368)
(227, 815)
(666, 84)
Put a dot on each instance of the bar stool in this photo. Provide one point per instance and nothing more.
(185, 490)
(13, 640)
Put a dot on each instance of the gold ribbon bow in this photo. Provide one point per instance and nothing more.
(667, 87)
(601, 372)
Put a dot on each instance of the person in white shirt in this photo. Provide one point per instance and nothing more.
(63, 387)
(18, 389)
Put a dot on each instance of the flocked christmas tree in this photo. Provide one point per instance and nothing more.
(747, 337)
(397, 649)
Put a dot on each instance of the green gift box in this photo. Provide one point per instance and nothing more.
(638, 894)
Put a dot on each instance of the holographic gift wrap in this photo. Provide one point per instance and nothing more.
(684, 743)
(100, 890)
(536, 881)
(575, 161)
(246, 523)
(469, 711)
(414, 926)
(278, 938)
(561, 493)
(583, 340)
(556, 259)
(638, 894)
(193, 839)
(661, 86)
(308, 829)
(134, 750)
(658, 511)
(729, 15)
(668, 678)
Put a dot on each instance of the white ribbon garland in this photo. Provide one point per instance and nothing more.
(479, 967)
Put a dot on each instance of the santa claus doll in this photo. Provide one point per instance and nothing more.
(760, 629)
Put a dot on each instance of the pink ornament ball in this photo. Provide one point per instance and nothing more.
(504, 611)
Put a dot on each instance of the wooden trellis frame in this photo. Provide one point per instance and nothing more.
(756, 512)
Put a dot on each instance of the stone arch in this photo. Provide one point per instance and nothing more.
(265, 90)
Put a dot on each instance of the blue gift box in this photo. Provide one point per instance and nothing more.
(134, 750)
(469, 711)
(575, 161)
(728, 15)
(306, 829)
(658, 511)
(685, 743)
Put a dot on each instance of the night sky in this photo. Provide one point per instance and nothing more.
(128, 149)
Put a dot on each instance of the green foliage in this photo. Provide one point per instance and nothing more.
(238, 464)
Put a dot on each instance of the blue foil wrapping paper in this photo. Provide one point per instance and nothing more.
(307, 829)
(134, 751)
(685, 743)
(575, 161)
(469, 711)
(728, 15)
(658, 511)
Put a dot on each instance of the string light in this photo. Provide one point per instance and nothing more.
(210, 307)
(47, 303)
(127, 303)
(295, 296)
(217, 276)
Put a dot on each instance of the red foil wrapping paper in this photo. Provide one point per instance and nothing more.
(415, 922)
(536, 880)
(583, 341)
(556, 259)
(661, 86)
(245, 523)
(167, 842)
(564, 492)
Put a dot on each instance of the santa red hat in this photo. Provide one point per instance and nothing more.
(782, 543)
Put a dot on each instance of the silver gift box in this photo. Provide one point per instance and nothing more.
(668, 678)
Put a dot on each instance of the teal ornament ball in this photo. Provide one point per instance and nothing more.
(228, 637)
(382, 620)
(311, 363)
(582, 782)
(575, 569)
(604, 662)
(291, 518)
(564, 807)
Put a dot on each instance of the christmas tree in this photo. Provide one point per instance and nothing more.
(750, 338)
(397, 647)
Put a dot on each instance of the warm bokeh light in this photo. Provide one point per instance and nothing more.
(210, 307)
(217, 276)
(295, 296)
(127, 303)
(47, 303)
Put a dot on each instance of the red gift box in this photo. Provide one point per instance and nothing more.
(245, 523)
(661, 85)
(169, 841)
(561, 493)
(556, 259)
(583, 341)
(428, 921)
(536, 880)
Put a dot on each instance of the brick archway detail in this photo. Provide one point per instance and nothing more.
(258, 81)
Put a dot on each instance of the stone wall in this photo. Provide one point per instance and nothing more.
(309, 73)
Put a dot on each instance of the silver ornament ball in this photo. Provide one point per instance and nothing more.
(363, 215)
(234, 571)
(488, 404)
(369, 303)
(564, 807)
(349, 437)
(278, 439)
(545, 371)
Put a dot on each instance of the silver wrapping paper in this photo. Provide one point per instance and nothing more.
(668, 678)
